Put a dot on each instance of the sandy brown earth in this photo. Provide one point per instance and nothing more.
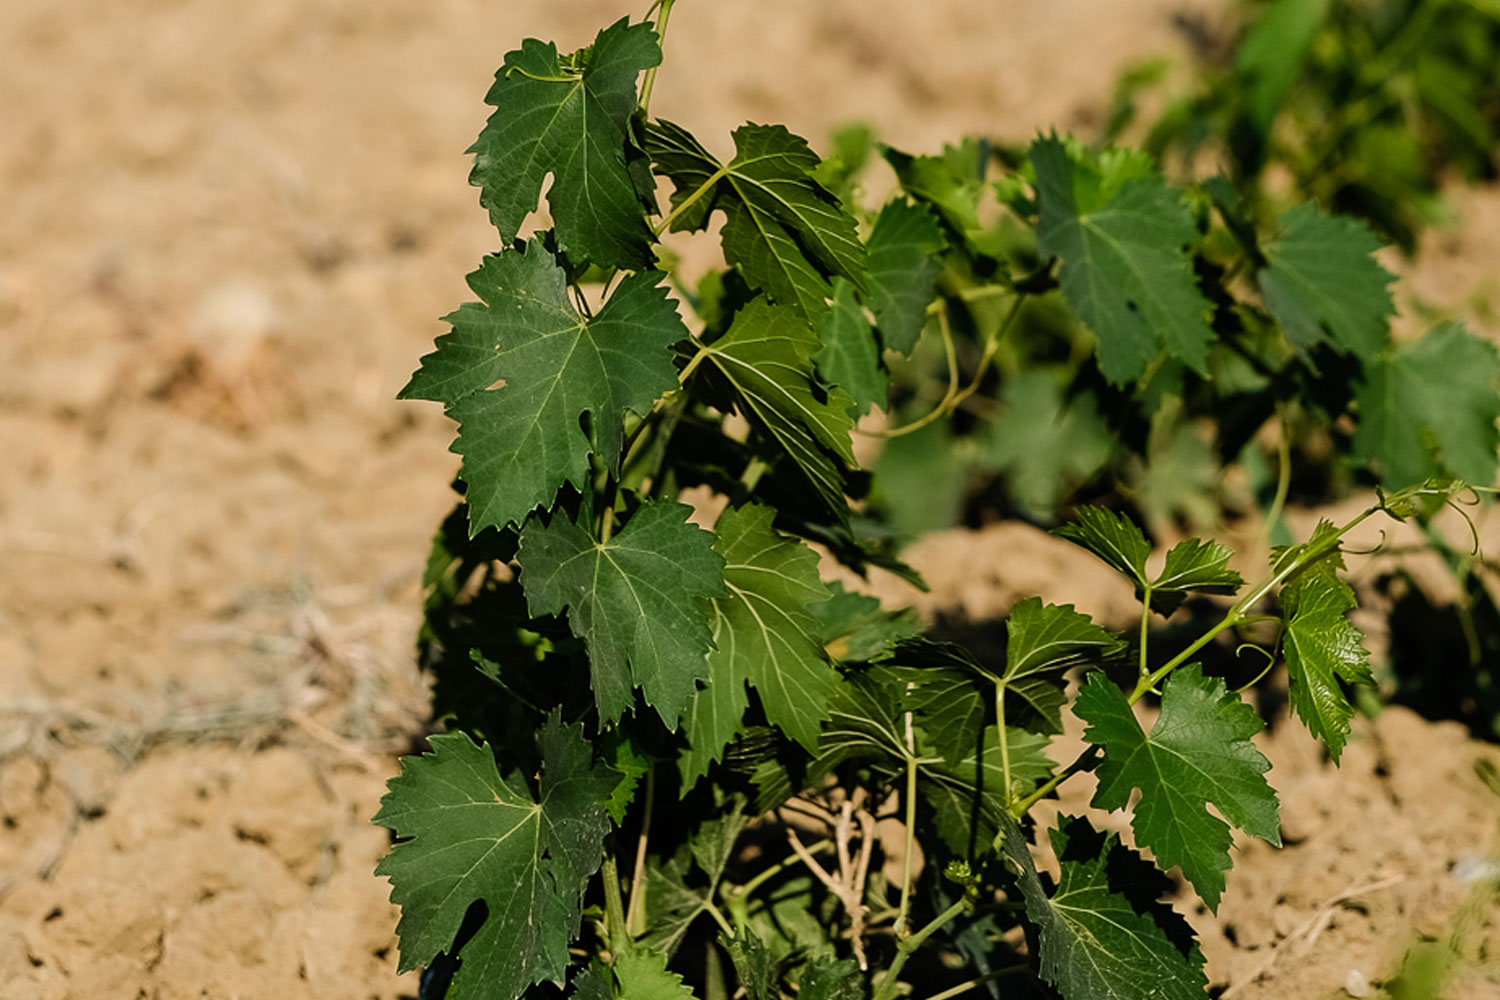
(226, 234)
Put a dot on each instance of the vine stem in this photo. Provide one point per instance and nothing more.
(614, 907)
(635, 914)
(665, 7)
(911, 830)
(1004, 743)
(977, 981)
(906, 947)
(955, 396)
(686, 203)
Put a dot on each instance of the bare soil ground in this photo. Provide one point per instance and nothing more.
(228, 231)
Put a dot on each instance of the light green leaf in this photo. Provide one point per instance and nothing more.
(952, 183)
(1124, 267)
(905, 255)
(1430, 407)
(764, 634)
(711, 721)
(1322, 646)
(850, 357)
(1271, 55)
(1044, 444)
(470, 835)
(569, 117)
(642, 975)
(1103, 933)
(638, 601)
(1112, 537)
(1323, 284)
(782, 229)
(520, 370)
(1198, 752)
(766, 357)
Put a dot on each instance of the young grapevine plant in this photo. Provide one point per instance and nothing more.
(678, 762)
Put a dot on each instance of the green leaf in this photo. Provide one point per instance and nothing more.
(766, 356)
(470, 835)
(1323, 646)
(1271, 55)
(1103, 933)
(854, 628)
(782, 229)
(1124, 267)
(569, 117)
(1042, 641)
(968, 798)
(1193, 567)
(764, 634)
(711, 721)
(520, 370)
(642, 975)
(1044, 444)
(1112, 537)
(1198, 752)
(593, 983)
(951, 183)
(830, 979)
(1321, 558)
(638, 601)
(850, 357)
(1430, 407)
(905, 255)
(1323, 284)
(754, 964)
(629, 764)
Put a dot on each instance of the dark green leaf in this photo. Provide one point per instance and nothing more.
(850, 357)
(905, 255)
(569, 117)
(1042, 641)
(1124, 267)
(1430, 407)
(854, 628)
(520, 370)
(1322, 646)
(1112, 537)
(969, 798)
(754, 964)
(782, 229)
(593, 983)
(763, 634)
(470, 835)
(1270, 57)
(638, 601)
(1104, 935)
(1198, 752)
(642, 975)
(767, 359)
(1323, 284)
(1193, 567)
(829, 979)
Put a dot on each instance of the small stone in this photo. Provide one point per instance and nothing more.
(1356, 984)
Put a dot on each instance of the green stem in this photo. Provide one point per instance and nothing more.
(772, 871)
(977, 981)
(905, 948)
(665, 6)
(1145, 666)
(911, 839)
(1283, 479)
(1082, 762)
(686, 203)
(635, 914)
(614, 908)
(718, 915)
(1004, 743)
